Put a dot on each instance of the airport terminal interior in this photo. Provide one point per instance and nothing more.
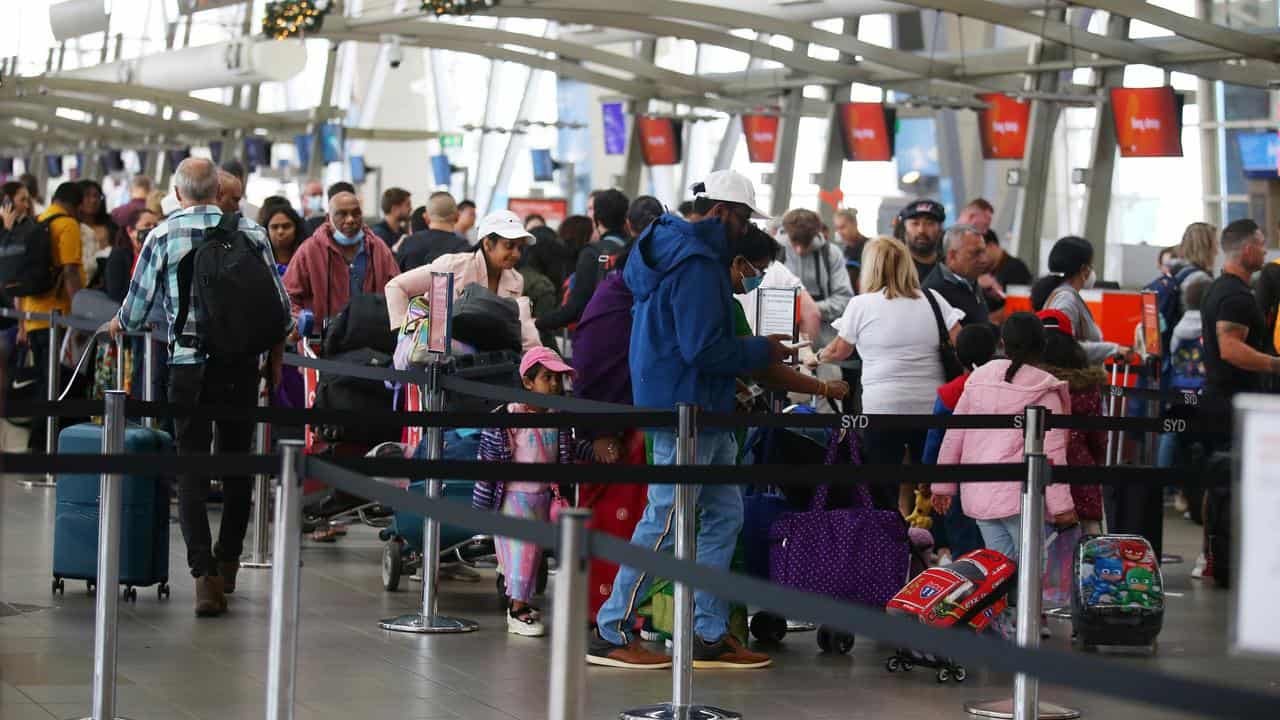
(1089, 188)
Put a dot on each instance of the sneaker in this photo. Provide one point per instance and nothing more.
(210, 599)
(727, 653)
(1208, 568)
(526, 621)
(632, 656)
(1202, 564)
(228, 571)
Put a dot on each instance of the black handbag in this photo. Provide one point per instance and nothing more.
(951, 366)
(485, 321)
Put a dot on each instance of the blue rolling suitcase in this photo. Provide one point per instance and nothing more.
(144, 532)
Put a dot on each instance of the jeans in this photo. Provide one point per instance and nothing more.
(887, 447)
(720, 521)
(38, 342)
(219, 384)
(1002, 535)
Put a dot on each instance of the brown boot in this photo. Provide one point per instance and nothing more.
(228, 572)
(210, 599)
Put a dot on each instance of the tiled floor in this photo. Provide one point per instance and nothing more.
(173, 666)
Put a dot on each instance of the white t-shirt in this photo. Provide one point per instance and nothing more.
(776, 276)
(898, 342)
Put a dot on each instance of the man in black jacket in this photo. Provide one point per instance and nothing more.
(956, 278)
(610, 207)
(440, 237)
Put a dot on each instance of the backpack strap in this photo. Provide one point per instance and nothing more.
(186, 268)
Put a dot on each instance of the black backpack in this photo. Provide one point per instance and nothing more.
(26, 259)
(363, 323)
(239, 313)
(358, 396)
(486, 321)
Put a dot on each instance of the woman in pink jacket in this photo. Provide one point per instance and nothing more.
(1007, 387)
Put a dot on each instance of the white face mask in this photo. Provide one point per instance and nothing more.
(1090, 280)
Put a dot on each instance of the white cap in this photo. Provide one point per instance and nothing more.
(731, 186)
(505, 224)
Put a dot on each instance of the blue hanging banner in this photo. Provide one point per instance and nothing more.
(615, 129)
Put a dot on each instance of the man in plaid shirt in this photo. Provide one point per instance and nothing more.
(196, 378)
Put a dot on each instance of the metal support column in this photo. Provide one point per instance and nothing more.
(833, 162)
(315, 164)
(286, 579)
(568, 633)
(681, 706)
(1025, 704)
(427, 621)
(107, 601)
(1029, 218)
(784, 163)
(1102, 163)
(1210, 159)
(634, 162)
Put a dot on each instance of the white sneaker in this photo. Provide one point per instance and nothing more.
(1201, 563)
(526, 622)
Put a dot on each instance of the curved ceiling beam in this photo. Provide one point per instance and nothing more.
(206, 109)
(128, 118)
(1192, 28)
(730, 18)
(77, 128)
(417, 25)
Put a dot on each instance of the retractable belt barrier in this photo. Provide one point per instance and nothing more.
(1089, 674)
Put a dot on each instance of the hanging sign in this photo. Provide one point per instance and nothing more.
(1003, 126)
(866, 131)
(1148, 121)
(761, 132)
(659, 140)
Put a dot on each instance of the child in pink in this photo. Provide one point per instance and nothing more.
(542, 371)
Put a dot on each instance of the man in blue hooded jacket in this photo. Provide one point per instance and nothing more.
(684, 350)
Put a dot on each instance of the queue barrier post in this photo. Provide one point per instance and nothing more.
(52, 379)
(1026, 704)
(286, 577)
(428, 621)
(107, 601)
(681, 706)
(568, 632)
(259, 556)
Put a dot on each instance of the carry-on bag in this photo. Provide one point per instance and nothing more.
(144, 527)
(1118, 598)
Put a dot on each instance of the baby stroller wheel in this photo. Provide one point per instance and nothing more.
(893, 664)
(830, 640)
(767, 627)
(943, 675)
(959, 674)
(392, 566)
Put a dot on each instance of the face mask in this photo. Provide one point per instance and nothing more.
(1090, 280)
(345, 241)
(752, 282)
(315, 204)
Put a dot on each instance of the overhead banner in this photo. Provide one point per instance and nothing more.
(553, 210)
(615, 129)
(1003, 126)
(659, 139)
(761, 132)
(866, 130)
(1148, 121)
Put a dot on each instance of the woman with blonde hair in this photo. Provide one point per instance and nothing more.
(894, 327)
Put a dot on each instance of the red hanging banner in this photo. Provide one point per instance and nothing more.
(659, 140)
(1003, 126)
(761, 132)
(866, 131)
(1148, 121)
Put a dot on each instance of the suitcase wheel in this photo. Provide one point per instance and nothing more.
(59, 586)
(392, 566)
(893, 664)
(959, 674)
(162, 591)
(131, 594)
(90, 586)
(768, 627)
(944, 675)
(834, 641)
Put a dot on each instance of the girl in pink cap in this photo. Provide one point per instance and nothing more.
(543, 372)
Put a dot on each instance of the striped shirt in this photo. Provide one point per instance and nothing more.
(156, 274)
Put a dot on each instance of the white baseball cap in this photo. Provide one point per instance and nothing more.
(503, 223)
(731, 186)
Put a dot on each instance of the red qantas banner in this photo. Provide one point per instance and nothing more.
(553, 210)
(1003, 126)
(867, 131)
(761, 132)
(1148, 121)
(659, 140)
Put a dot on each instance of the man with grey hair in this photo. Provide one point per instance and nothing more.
(956, 277)
(198, 377)
(230, 192)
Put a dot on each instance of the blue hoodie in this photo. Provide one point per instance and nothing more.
(683, 347)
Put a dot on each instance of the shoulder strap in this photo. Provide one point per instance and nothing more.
(943, 336)
(49, 220)
(186, 270)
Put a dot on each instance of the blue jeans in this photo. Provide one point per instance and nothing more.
(719, 522)
(1002, 535)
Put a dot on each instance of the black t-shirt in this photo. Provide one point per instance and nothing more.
(1230, 300)
(924, 269)
(384, 230)
(423, 247)
(1012, 271)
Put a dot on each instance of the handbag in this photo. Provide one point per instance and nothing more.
(858, 553)
(1060, 551)
(951, 366)
(412, 347)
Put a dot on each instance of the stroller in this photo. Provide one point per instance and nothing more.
(971, 591)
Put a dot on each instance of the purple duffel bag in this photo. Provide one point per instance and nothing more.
(859, 554)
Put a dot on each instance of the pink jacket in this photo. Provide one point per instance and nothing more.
(318, 278)
(467, 268)
(987, 393)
